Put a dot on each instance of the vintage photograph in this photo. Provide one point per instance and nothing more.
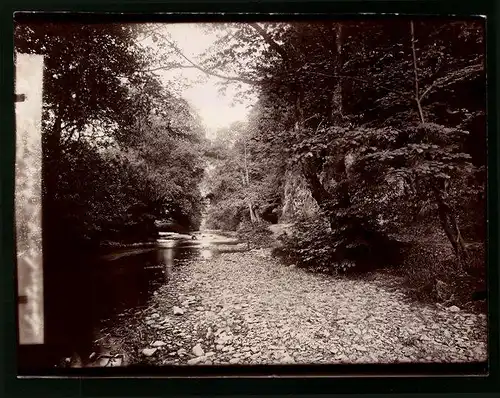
(251, 193)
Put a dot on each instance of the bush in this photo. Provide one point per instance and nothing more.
(309, 245)
(350, 248)
(257, 234)
(431, 274)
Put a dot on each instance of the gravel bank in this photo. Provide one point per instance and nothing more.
(247, 308)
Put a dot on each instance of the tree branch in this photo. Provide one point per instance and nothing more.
(452, 78)
(200, 68)
(390, 89)
(207, 72)
(269, 40)
(415, 71)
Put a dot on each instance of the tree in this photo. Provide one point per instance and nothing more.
(308, 78)
(120, 150)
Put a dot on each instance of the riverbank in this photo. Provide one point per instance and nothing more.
(247, 308)
(118, 245)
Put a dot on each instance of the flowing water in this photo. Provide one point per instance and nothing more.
(84, 297)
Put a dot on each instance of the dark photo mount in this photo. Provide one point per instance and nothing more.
(129, 297)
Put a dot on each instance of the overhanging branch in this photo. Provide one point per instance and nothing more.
(269, 40)
(453, 77)
(200, 68)
(338, 76)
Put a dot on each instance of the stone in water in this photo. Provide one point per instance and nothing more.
(158, 343)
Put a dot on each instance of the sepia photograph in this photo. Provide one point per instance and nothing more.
(261, 192)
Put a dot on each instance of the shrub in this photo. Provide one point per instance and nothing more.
(256, 234)
(431, 275)
(310, 245)
(349, 248)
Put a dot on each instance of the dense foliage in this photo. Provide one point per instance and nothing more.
(368, 136)
(120, 151)
(383, 121)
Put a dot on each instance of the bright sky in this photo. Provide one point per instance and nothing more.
(216, 110)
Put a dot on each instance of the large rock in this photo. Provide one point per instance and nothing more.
(158, 343)
(298, 200)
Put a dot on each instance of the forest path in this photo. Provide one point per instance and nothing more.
(247, 308)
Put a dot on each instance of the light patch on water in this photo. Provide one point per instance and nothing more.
(168, 243)
(206, 254)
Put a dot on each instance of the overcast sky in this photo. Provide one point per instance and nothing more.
(216, 110)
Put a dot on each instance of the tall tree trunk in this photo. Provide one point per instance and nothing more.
(447, 214)
(246, 182)
(337, 106)
(450, 226)
(52, 154)
(415, 72)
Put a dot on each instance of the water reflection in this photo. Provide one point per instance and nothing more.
(206, 254)
(166, 258)
(85, 294)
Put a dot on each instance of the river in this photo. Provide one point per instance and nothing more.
(84, 298)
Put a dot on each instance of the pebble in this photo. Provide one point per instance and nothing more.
(149, 351)
(276, 301)
(198, 350)
(195, 361)
(287, 359)
(178, 311)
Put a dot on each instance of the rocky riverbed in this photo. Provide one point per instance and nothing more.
(247, 308)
